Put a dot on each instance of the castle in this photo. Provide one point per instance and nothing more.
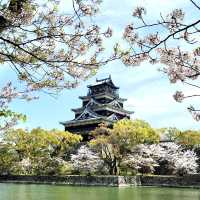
(102, 104)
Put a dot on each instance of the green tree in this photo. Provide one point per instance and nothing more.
(43, 150)
(189, 138)
(8, 158)
(40, 142)
(168, 134)
(8, 118)
(120, 140)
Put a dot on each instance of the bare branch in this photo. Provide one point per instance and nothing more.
(197, 6)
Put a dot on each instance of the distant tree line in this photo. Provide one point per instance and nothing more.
(50, 51)
(130, 147)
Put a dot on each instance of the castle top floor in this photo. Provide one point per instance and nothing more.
(103, 86)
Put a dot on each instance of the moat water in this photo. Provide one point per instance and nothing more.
(52, 192)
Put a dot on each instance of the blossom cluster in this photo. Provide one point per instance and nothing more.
(169, 156)
(156, 42)
(49, 50)
(86, 161)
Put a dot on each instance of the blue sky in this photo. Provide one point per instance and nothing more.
(148, 91)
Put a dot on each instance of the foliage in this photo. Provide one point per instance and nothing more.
(50, 51)
(101, 130)
(186, 163)
(129, 145)
(46, 165)
(128, 133)
(9, 118)
(8, 157)
(168, 134)
(40, 142)
(38, 151)
(123, 149)
(117, 142)
(86, 161)
(41, 166)
(66, 168)
(23, 167)
(176, 159)
(189, 138)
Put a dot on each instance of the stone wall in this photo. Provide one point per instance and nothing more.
(167, 181)
(172, 181)
(74, 180)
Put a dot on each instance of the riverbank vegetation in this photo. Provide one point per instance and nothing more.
(130, 147)
(52, 48)
(47, 50)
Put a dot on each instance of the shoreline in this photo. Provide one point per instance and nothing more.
(189, 181)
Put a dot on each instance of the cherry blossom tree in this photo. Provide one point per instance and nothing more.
(170, 40)
(8, 118)
(140, 163)
(48, 50)
(114, 144)
(163, 158)
(86, 161)
(175, 159)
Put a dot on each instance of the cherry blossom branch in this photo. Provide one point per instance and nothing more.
(180, 65)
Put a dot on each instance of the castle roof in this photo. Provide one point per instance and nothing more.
(106, 81)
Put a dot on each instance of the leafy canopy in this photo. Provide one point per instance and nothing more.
(114, 144)
(40, 142)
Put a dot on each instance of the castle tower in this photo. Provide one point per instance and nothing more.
(101, 105)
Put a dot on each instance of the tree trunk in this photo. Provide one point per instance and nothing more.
(113, 167)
